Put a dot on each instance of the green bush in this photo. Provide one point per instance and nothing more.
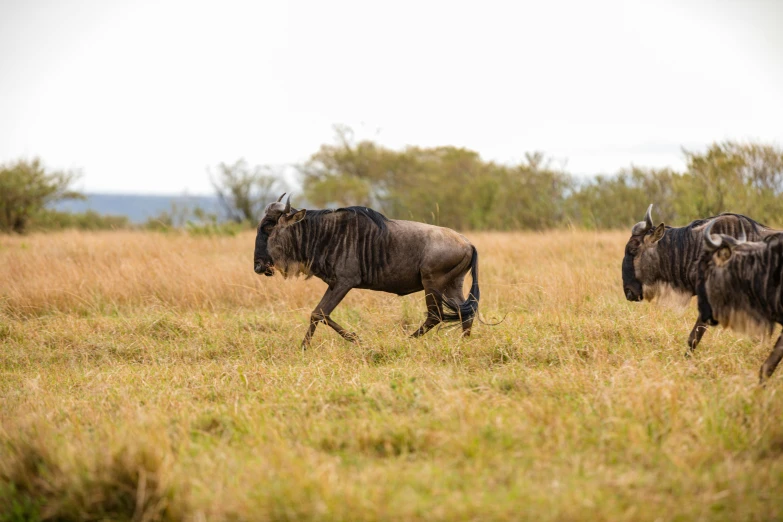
(26, 188)
(89, 220)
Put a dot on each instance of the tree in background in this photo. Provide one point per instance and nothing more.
(346, 173)
(727, 177)
(26, 188)
(243, 191)
(531, 195)
(454, 187)
(450, 186)
(619, 201)
(735, 177)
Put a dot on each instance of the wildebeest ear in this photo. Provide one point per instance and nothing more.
(722, 255)
(657, 234)
(298, 216)
(293, 218)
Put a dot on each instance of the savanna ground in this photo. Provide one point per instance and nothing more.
(149, 376)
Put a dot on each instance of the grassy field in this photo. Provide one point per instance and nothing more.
(148, 376)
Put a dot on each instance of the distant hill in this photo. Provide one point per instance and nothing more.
(138, 207)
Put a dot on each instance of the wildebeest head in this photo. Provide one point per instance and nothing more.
(276, 217)
(716, 255)
(640, 252)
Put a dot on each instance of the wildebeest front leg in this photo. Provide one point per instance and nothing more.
(328, 303)
(434, 313)
(695, 337)
(772, 361)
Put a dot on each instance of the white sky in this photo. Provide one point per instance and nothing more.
(144, 96)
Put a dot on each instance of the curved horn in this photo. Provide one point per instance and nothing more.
(644, 226)
(742, 237)
(648, 217)
(281, 197)
(709, 238)
(287, 205)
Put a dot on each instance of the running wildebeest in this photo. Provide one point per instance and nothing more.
(356, 247)
(663, 261)
(741, 287)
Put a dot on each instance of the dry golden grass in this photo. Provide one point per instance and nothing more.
(148, 376)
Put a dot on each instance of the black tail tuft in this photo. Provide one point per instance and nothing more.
(461, 312)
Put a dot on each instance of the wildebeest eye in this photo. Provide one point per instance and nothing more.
(632, 247)
(266, 226)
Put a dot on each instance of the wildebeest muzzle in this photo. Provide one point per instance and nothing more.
(633, 295)
(263, 268)
(632, 288)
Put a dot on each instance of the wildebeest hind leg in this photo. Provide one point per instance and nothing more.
(772, 361)
(695, 337)
(454, 294)
(328, 303)
(434, 313)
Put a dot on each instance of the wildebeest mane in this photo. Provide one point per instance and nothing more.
(324, 239)
(378, 219)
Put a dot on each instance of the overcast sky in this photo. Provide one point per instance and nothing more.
(144, 96)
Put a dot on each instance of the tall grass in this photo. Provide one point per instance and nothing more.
(156, 377)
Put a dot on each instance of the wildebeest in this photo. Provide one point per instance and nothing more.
(662, 261)
(741, 287)
(356, 247)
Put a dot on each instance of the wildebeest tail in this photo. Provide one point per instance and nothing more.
(461, 312)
